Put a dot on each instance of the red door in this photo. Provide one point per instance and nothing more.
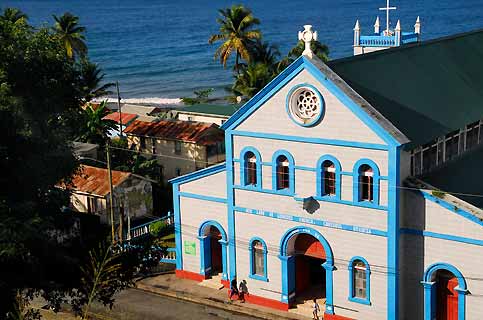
(447, 299)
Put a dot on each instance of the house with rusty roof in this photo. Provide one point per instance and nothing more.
(181, 147)
(132, 194)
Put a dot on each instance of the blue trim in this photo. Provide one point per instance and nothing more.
(352, 297)
(252, 275)
(205, 259)
(229, 204)
(330, 142)
(243, 167)
(201, 197)
(375, 187)
(177, 228)
(288, 74)
(328, 265)
(263, 95)
(315, 222)
(291, 172)
(321, 99)
(452, 207)
(429, 292)
(442, 236)
(348, 102)
(199, 174)
(394, 157)
(320, 172)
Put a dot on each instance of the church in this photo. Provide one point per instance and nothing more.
(358, 183)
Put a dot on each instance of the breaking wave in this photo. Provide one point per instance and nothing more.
(147, 100)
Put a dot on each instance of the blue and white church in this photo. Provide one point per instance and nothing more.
(357, 182)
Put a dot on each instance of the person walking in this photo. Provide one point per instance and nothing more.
(243, 289)
(233, 288)
(316, 311)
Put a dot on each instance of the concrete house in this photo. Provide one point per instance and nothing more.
(90, 194)
(206, 113)
(181, 147)
(356, 182)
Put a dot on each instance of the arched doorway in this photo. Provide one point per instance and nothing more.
(213, 243)
(307, 266)
(444, 293)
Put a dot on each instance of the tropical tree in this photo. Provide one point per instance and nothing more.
(262, 51)
(72, 35)
(319, 49)
(91, 78)
(236, 31)
(252, 79)
(96, 128)
(13, 15)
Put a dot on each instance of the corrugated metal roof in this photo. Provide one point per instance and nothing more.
(195, 132)
(126, 118)
(211, 109)
(426, 89)
(95, 180)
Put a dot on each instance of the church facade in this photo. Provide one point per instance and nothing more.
(332, 189)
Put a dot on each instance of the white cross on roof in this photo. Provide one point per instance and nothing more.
(387, 9)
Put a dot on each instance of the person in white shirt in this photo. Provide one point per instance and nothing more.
(316, 310)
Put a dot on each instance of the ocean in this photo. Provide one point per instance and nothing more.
(158, 50)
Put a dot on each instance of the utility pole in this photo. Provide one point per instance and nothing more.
(111, 197)
(119, 108)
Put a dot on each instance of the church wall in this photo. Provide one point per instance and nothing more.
(344, 245)
(194, 213)
(338, 121)
(213, 185)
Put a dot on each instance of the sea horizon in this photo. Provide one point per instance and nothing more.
(159, 51)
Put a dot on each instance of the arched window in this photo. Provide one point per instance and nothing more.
(258, 259)
(359, 277)
(366, 183)
(328, 178)
(283, 173)
(250, 169)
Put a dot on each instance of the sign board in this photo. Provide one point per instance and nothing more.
(190, 248)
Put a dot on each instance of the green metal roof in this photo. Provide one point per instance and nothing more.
(426, 89)
(461, 176)
(215, 109)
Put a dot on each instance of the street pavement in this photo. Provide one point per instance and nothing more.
(133, 304)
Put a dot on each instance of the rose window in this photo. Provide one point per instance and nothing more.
(305, 106)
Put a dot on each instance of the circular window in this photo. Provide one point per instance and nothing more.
(305, 105)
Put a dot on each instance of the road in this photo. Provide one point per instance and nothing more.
(134, 304)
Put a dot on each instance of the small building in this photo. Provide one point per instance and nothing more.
(208, 113)
(85, 150)
(181, 147)
(90, 194)
(124, 118)
(387, 38)
(358, 183)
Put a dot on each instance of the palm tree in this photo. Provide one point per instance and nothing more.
(91, 78)
(252, 79)
(96, 128)
(71, 34)
(236, 31)
(319, 49)
(13, 15)
(264, 52)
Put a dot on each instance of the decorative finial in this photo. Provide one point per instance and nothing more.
(387, 32)
(417, 26)
(307, 36)
(376, 26)
(357, 27)
(398, 26)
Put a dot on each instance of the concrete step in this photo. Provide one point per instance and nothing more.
(214, 282)
(305, 308)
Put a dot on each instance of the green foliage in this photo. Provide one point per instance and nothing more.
(92, 77)
(71, 34)
(201, 96)
(96, 128)
(157, 228)
(236, 32)
(252, 79)
(40, 97)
